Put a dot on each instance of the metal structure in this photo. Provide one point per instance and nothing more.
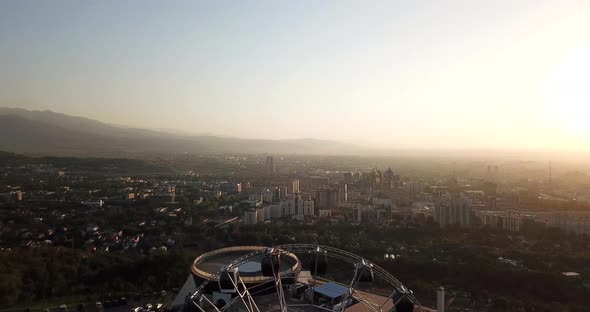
(398, 298)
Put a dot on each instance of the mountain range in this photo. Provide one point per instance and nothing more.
(51, 133)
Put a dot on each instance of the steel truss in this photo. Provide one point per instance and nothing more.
(203, 304)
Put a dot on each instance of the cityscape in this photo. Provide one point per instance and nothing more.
(475, 217)
(293, 156)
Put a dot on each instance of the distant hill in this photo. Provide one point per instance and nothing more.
(51, 133)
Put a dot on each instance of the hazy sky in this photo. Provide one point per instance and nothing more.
(395, 73)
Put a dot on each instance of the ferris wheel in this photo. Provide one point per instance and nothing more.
(322, 278)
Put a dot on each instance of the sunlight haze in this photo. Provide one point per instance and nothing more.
(414, 74)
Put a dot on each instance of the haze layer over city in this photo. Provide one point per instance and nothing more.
(252, 156)
(388, 75)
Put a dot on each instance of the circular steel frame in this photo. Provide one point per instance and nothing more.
(296, 249)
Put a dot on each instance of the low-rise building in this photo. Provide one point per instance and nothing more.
(325, 213)
(508, 220)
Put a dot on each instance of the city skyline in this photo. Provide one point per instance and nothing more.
(393, 75)
(263, 155)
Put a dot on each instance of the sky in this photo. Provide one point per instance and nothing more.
(391, 74)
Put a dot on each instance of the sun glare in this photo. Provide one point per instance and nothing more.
(568, 92)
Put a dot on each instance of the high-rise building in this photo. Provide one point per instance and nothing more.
(270, 165)
(276, 211)
(397, 182)
(375, 177)
(491, 203)
(283, 193)
(356, 176)
(267, 195)
(388, 179)
(267, 212)
(326, 198)
(276, 193)
(298, 205)
(357, 214)
(296, 188)
(250, 217)
(414, 188)
(256, 197)
(378, 177)
(453, 211)
(347, 177)
(342, 192)
(260, 215)
(279, 193)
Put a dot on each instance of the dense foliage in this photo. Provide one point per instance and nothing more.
(465, 261)
(36, 274)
